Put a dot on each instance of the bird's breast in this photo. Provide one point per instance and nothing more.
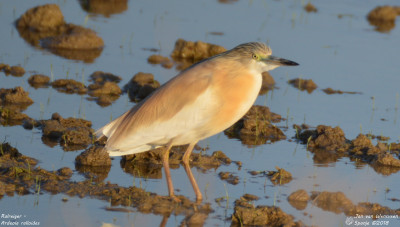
(235, 94)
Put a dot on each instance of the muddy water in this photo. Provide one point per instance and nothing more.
(336, 47)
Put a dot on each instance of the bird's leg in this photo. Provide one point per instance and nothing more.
(186, 165)
(165, 161)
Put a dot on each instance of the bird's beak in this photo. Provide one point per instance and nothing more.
(278, 61)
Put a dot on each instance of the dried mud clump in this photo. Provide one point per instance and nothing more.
(159, 59)
(310, 8)
(104, 88)
(44, 25)
(331, 91)
(16, 70)
(337, 202)
(17, 96)
(12, 117)
(100, 77)
(19, 174)
(140, 86)
(329, 144)
(280, 176)
(324, 137)
(75, 38)
(187, 52)
(94, 156)
(195, 50)
(247, 214)
(14, 100)
(299, 199)
(149, 164)
(69, 86)
(105, 93)
(268, 83)
(256, 127)
(39, 81)
(104, 7)
(71, 133)
(42, 18)
(229, 177)
(303, 84)
(383, 17)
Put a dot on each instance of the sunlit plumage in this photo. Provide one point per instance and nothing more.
(201, 101)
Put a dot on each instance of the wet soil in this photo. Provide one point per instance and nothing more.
(19, 174)
(149, 164)
(329, 144)
(256, 128)
(247, 214)
(303, 84)
(44, 26)
(140, 86)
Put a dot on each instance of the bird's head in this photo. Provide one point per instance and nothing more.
(257, 56)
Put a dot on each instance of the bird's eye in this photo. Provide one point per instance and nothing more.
(255, 57)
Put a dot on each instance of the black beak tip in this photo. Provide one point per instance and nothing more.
(290, 63)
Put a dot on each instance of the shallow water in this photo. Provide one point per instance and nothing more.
(342, 53)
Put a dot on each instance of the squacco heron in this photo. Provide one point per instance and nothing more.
(199, 102)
